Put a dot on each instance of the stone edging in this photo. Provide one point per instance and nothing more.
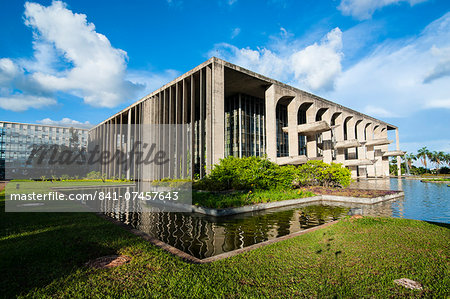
(284, 203)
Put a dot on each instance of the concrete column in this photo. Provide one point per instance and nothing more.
(326, 138)
(218, 112)
(292, 110)
(311, 142)
(271, 135)
(339, 135)
(129, 145)
(352, 151)
(362, 149)
(192, 126)
(202, 124)
(397, 144)
(208, 121)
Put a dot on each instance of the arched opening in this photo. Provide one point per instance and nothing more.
(374, 130)
(365, 131)
(302, 119)
(356, 128)
(319, 137)
(281, 114)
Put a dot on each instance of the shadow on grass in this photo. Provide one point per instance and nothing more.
(37, 248)
(441, 224)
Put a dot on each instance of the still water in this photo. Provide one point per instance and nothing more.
(203, 236)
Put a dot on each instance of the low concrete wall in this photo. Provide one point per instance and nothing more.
(284, 203)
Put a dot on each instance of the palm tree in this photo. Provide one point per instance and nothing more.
(423, 154)
(409, 158)
(438, 158)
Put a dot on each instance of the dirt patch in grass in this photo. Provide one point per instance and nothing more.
(366, 193)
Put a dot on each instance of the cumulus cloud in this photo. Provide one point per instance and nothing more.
(364, 9)
(66, 122)
(69, 56)
(400, 77)
(22, 102)
(315, 67)
(319, 64)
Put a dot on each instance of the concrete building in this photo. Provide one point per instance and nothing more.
(18, 139)
(230, 110)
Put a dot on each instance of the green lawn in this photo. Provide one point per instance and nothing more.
(244, 198)
(43, 254)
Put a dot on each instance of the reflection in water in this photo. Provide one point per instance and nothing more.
(203, 236)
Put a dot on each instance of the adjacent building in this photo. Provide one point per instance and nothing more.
(17, 141)
(230, 110)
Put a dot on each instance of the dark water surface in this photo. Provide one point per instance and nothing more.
(204, 236)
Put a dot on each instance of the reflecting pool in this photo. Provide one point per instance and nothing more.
(205, 236)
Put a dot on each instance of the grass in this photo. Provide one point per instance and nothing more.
(220, 200)
(43, 255)
(447, 179)
(365, 193)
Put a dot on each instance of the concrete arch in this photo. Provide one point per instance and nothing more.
(320, 113)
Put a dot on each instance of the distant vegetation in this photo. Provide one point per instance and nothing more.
(439, 159)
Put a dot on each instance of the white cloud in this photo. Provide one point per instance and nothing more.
(235, 32)
(69, 56)
(66, 122)
(364, 9)
(21, 102)
(98, 70)
(438, 104)
(318, 65)
(313, 68)
(151, 81)
(378, 111)
(394, 76)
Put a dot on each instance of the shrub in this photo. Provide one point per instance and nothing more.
(94, 175)
(247, 173)
(316, 172)
(252, 173)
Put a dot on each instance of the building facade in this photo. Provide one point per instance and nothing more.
(17, 141)
(230, 110)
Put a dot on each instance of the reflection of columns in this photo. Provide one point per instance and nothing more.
(292, 110)
(271, 135)
(397, 144)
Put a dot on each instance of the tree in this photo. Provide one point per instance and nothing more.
(409, 158)
(423, 154)
(437, 158)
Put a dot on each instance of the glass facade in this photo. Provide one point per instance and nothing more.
(282, 137)
(245, 131)
(301, 119)
(18, 140)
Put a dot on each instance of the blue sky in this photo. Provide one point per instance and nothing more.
(80, 61)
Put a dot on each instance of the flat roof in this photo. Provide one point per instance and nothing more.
(42, 125)
(250, 73)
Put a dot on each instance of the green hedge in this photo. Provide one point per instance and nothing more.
(255, 173)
